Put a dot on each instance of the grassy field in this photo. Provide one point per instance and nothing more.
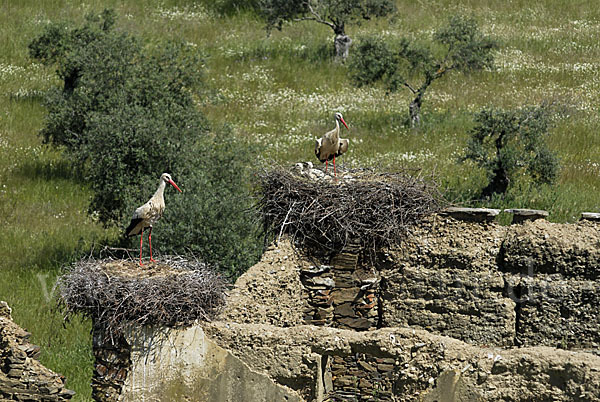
(280, 92)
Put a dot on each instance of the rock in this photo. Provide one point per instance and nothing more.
(590, 216)
(320, 282)
(345, 295)
(315, 270)
(367, 367)
(15, 373)
(344, 309)
(356, 323)
(385, 367)
(522, 215)
(5, 310)
(471, 214)
(344, 381)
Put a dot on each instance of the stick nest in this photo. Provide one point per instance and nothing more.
(364, 207)
(116, 293)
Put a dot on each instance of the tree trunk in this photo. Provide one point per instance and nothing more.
(415, 111)
(342, 44)
(500, 180)
(498, 184)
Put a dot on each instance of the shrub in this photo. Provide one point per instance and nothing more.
(127, 113)
(511, 143)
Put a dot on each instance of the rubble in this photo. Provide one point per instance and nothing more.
(22, 376)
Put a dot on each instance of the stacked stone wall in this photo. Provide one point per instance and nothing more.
(111, 367)
(22, 376)
(344, 294)
(361, 377)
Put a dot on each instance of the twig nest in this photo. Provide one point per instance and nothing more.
(323, 214)
(116, 293)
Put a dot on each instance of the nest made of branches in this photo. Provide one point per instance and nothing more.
(364, 207)
(116, 293)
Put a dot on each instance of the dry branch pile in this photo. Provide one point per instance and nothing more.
(374, 209)
(117, 293)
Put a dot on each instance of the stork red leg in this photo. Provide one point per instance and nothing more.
(326, 164)
(141, 240)
(334, 173)
(150, 241)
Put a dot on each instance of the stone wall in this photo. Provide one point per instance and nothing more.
(463, 310)
(553, 271)
(22, 376)
(330, 364)
(471, 281)
(361, 376)
(446, 280)
(111, 366)
(343, 294)
(533, 283)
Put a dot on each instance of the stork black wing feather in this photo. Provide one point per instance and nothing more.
(134, 222)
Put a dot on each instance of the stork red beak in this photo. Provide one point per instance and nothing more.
(342, 120)
(175, 185)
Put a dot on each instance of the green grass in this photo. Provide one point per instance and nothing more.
(280, 92)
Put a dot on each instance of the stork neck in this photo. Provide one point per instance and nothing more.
(160, 190)
(336, 133)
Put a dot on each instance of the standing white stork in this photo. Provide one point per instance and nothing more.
(331, 145)
(146, 215)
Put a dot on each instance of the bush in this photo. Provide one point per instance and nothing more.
(511, 143)
(128, 113)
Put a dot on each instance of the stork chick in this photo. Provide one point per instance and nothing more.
(146, 215)
(331, 145)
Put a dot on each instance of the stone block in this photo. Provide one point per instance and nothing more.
(356, 323)
(345, 295)
(345, 261)
(318, 282)
(590, 216)
(345, 310)
(471, 214)
(366, 366)
(15, 373)
(522, 215)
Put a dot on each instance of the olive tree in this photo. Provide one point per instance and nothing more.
(335, 14)
(510, 143)
(458, 45)
(126, 113)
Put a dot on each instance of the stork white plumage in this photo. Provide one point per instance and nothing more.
(146, 215)
(331, 145)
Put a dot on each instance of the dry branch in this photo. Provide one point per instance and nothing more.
(375, 209)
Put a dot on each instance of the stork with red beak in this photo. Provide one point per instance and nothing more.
(331, 145)
(146, 215)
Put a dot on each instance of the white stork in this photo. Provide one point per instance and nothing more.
(331, 145)
(146, 215)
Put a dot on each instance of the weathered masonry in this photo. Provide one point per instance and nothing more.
(466, 309)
